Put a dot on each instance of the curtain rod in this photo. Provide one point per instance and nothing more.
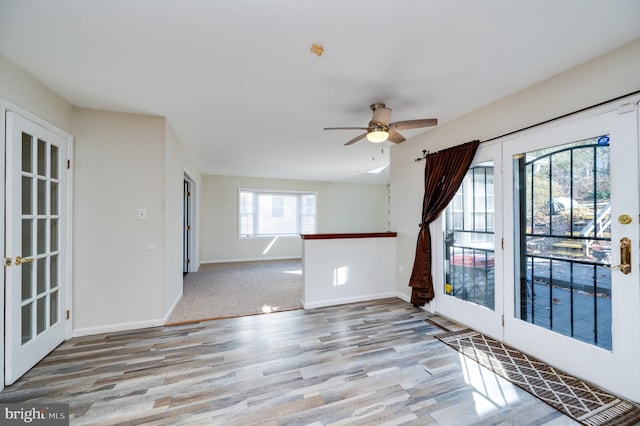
(426, 152)
(562, 116)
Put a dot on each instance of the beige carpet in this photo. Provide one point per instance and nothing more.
(222, 290)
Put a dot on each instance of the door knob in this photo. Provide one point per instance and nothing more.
(21, 260)
(625, 256)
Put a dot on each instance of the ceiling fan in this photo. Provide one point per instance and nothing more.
(380, 129)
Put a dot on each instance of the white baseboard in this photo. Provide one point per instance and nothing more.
(250, 259)
(344, 301)
(173, 307)
(429, 307)
(403, 297)
(79, 332)
(161, 322)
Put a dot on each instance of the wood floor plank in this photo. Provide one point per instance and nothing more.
(369, 363)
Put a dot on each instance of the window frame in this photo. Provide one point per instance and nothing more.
(300, 212)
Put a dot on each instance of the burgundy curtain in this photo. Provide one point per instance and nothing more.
(443, 175)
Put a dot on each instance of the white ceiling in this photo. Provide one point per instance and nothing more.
(238, 83)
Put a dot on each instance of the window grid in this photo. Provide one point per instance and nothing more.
(564, 278)
(469, 249)
(266, 213)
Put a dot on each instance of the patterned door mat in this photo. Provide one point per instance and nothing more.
(583, 402)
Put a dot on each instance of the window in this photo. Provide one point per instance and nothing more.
(565, 218)
(469, 246)
(266, 213)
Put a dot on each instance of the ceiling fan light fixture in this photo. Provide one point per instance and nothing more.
(377, 134)
(378, 129)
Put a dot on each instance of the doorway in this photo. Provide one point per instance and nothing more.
(37, 240)
(186, 215)
(540, 246)
(188, 225)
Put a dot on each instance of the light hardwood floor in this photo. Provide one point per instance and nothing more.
(367, 363)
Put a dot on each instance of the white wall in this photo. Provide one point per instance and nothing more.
(127, 273)
(177, 163)
(20, 89)
(119, 260)
(342, 208)
(347, 270)
(609, 76)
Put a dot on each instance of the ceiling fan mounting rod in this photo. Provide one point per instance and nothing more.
(374, 107)
(375, 127)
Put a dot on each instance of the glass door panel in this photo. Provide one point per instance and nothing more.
(35, 225)
(565, 236)
(471, 225)
(573, 184)
(469, 242)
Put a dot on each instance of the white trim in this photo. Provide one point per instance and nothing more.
(269, 237)
(173, 307)
(250, 259)
(8, 106)
(193, 220)
(113, 328)
(428, 307)
(69, 229)
(346, 300)
(276, 192)
(403, 297)
(3, 132)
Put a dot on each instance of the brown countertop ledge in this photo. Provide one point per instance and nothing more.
(341, 236)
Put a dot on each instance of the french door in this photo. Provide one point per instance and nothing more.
(557, 275)
(36, 251)
(473, 258)
(575, 294)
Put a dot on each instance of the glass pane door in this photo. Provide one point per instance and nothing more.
(574, 183)
(470, 247)
(35, 248)
(471, 225)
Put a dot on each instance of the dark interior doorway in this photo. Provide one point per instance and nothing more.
(186, 240)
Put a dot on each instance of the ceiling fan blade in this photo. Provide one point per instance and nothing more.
(395, 137)
(381, 115)
(413, 124)
(356, 139)
(345, 128)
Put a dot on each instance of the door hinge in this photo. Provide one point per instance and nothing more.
(68, 314)
(187, 261)
(502, 243)
(503, 320)
(68, 164)
(187, 228)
